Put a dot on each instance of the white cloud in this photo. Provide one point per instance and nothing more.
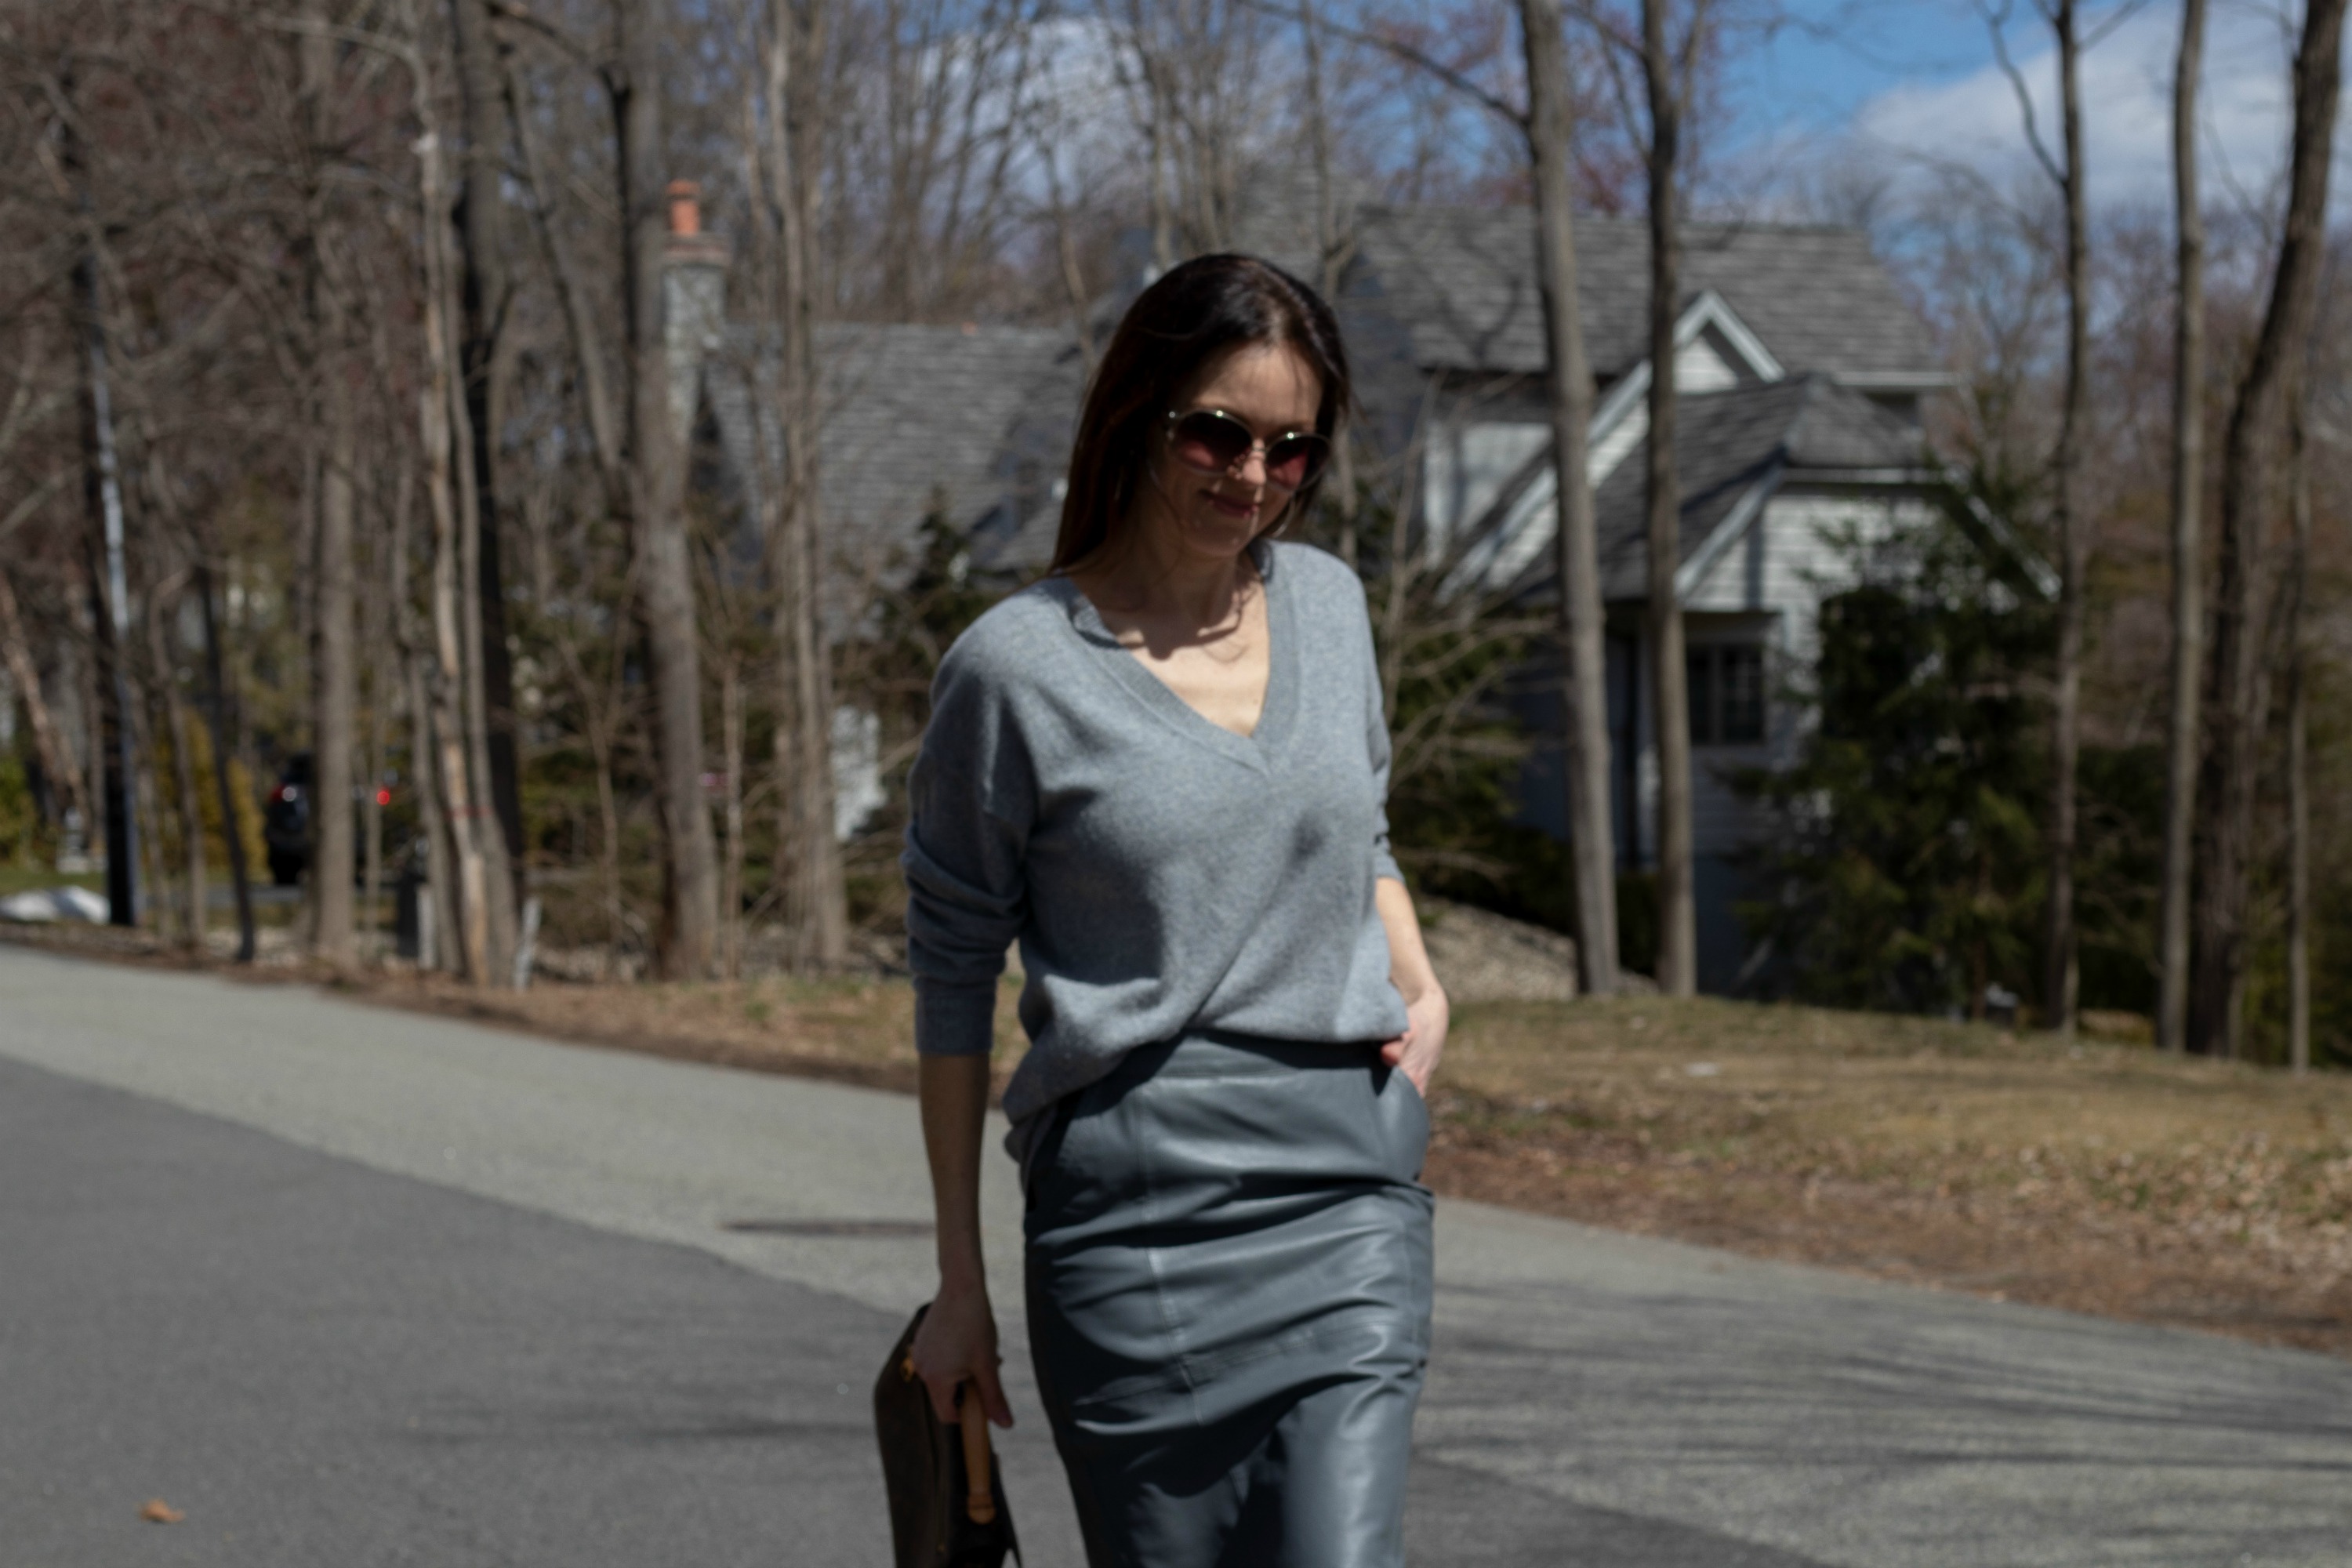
(2126, 91)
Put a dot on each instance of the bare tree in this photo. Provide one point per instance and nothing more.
(336, 685)
(664, 570)
(102, 502)
(1666, 76)
(1193, 71)
(216, 716)
(334, 492)
(2188, 547)
(486, 304)
(2070, 519)
(1584, 716)
(442, 736)
(816, 916)
(2261, 419)
(2298, 760)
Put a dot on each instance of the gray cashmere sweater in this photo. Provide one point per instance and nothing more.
(1162, 874)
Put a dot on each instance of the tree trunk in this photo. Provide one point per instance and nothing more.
(148, 798)
(2298, 780)
(382, 611)
(1670, 699)
(731, 882)
(2187, 549)
(460, 810)
(2061, 970)
(327, 516)
(2249, 473)
(187, 806)
(1584, 713)
(95, 742)
(167, 901)
(446, 952)
(102, 499)
(657, 511)
(334, 724)
(57, 758)
(437, 912)
(499, 911)
(608, 846)
(483, 302)
(192, 823)
(815, 903)
(217, 716)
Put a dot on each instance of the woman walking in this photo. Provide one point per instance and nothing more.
(1163, 771)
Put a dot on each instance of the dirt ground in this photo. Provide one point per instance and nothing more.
(2095, 1175)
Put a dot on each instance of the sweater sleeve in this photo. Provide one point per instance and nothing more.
(972, 796)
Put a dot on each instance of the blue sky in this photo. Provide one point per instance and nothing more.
(1836, 55)
(1915, 82)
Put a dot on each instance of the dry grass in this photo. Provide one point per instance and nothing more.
(2097, 1176)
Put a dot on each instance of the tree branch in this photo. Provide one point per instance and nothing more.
(1397, 49)
(1996, 18)
(515, 12)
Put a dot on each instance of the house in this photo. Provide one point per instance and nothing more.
(1801, 373)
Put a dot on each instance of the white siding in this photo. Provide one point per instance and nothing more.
(1800, 549)
(1700, 365)
(1468, 466)
(1528, 530)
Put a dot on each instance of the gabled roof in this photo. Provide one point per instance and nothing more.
(1731, 449)
(1461, 281)
(976, 418)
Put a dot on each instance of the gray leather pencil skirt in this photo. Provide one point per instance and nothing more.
(1229, 1283)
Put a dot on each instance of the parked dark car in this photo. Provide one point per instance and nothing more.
(286, 821)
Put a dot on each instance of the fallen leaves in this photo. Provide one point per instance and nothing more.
(158, 1511)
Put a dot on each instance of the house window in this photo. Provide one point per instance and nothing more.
(1727, 694)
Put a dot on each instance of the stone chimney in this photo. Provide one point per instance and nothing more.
(694, 297)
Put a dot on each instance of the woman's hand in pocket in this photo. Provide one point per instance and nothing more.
(1427, 1015)
(957, 1344)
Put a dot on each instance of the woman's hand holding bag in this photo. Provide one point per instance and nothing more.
(947, 1496)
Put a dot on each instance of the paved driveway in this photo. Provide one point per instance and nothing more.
(355, 1287)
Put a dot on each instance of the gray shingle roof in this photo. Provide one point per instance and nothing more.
(978, 418)
(1725, 442)
(1463, 282)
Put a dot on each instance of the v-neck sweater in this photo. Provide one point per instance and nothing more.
(1163, 875)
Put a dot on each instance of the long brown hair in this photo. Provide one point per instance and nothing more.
(1194, 312)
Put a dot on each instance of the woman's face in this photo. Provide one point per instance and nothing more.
(1267, 386)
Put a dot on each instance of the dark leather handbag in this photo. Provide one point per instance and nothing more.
(947, 1500)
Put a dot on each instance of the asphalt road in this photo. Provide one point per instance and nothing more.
(353, 1287)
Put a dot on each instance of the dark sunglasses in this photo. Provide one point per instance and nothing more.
(1210, 441)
